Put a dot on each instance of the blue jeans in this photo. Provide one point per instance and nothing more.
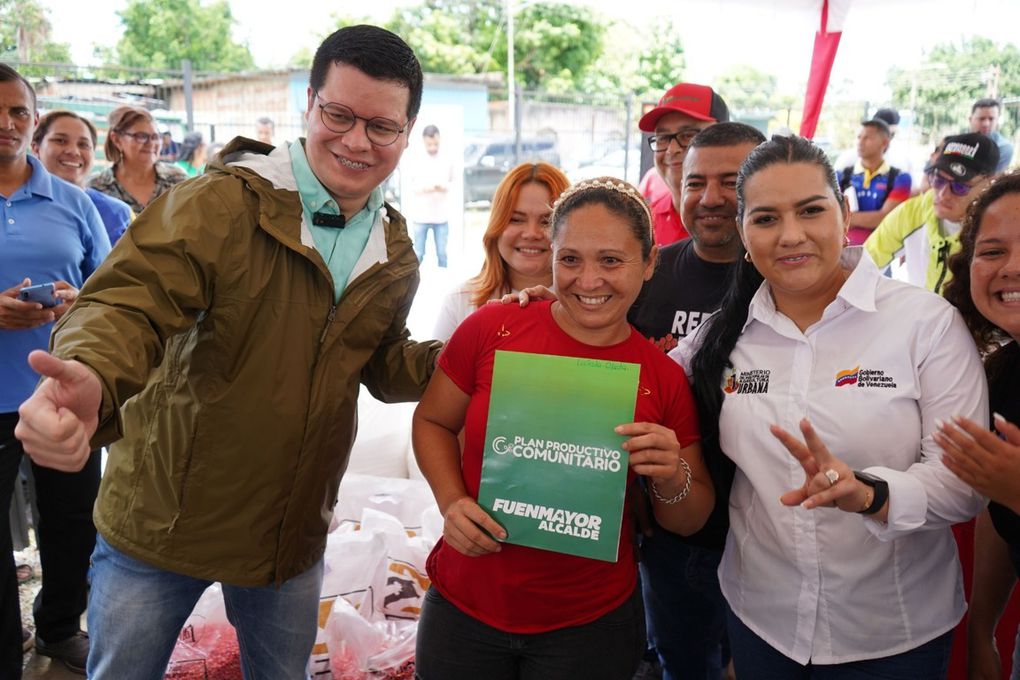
(685, 609)
(755, 659)
(455, 646)
(136, 612)
(440, 232)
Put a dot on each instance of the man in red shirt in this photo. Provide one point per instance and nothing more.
(685, 109)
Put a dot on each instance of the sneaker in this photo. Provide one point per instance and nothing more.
(27, 640)
(74, 651)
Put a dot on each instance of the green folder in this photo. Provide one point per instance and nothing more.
(554, 474)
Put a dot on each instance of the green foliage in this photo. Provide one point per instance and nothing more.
(158, 34)
(661, 64)
(452, 36)
(555, 44)
(558, 48)
(745, 88)
(953, 76)
(302, 58)
(25, 32)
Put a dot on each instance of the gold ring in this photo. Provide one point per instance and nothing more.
(832, 476)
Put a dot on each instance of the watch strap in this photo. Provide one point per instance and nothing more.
(880, 489)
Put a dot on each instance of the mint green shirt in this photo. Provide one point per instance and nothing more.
(340, 248)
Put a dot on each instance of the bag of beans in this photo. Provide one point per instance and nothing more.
(207, 647)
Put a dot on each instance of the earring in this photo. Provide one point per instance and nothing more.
(747, 256)
(846, 240)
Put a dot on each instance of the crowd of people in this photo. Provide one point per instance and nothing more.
(806, 429)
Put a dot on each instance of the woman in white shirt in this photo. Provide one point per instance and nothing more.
(827, 381)
(518, 253)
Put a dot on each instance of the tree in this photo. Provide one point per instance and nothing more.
(554, 44)
(661, 64)
(159, 34)
(25, 32)
(745, 88)
(952, 77)
(452, 36)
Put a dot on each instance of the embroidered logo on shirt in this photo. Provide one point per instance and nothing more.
(502, 332)
(848, 377)
(755, 381)
(866, 377)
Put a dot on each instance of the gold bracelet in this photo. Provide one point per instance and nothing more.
(683, 492)
(868, 499)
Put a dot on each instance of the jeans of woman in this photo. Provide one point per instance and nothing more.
(455, 646)
(137, 610)
(755, 659)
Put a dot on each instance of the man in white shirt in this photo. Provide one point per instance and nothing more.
(431, 180)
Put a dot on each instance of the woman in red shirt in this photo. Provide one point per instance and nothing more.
(498, 610)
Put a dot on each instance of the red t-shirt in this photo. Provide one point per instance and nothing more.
(527, 590)
(666, 223)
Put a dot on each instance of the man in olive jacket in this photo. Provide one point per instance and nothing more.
(220, 350)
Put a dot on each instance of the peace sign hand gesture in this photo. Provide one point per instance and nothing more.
(828, 481)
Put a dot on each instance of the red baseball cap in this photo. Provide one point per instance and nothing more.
(697, 101)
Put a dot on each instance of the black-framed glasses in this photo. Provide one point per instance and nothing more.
(339, 118)
(660, 142)
(938, 182)
(142, 137)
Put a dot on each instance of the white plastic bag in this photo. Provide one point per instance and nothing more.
(207, 647)
(366, 646)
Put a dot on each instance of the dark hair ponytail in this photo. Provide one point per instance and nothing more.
(720, 337)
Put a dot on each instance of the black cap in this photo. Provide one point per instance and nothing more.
(889, 116)
(966, 156)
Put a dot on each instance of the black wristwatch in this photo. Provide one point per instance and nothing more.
(879, 486)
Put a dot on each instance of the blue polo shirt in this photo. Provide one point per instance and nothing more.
(340, 248)
(116, 213)
(50, 231)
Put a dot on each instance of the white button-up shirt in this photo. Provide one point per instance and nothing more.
(873, 374)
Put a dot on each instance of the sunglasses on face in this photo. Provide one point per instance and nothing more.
(938, 182)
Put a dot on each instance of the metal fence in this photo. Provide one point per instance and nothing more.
(219, 106)
(585, 133)
(586, 126)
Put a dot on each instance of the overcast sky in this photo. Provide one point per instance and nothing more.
(773, 35)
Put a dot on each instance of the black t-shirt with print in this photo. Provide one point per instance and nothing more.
(684, 291)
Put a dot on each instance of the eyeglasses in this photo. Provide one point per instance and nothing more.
(683, 139)
(938, 182)
(141, 137)
(339, 118)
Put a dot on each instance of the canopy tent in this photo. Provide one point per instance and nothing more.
(832, 14)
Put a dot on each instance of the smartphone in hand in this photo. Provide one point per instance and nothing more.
(44, 293)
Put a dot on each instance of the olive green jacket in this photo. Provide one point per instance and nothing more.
(230, 378)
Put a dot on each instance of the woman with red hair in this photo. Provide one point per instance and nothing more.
(517, 248)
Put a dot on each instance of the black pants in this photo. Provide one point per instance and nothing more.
(66, 536)
(453, 645)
